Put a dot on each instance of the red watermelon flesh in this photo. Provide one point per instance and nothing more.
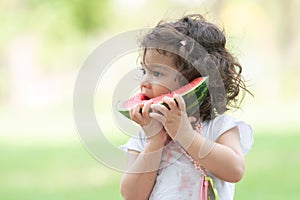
(193, 93)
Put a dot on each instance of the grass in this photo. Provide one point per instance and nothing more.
(54, 172)
(272, 168)
(67, 171)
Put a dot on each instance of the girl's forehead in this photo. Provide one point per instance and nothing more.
(155, 59)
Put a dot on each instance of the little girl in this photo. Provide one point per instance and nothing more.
(174, 53)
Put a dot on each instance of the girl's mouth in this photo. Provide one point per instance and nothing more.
(145, 97)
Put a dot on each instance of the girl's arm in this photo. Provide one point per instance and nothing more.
(137, 183)
(223, 158)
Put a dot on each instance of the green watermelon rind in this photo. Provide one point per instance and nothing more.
(199, 93)
(195, 95)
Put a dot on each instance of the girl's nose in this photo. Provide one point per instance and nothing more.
(145, 83)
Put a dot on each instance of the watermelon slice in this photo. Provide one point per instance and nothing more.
(193, 94)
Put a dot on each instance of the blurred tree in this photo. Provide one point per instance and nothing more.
(85, 16)
(218, 7)
(287, 25)
(284, 15)
(42, 35)
(288, 30)
(90, 15)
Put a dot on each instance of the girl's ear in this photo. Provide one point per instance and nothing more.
(181, 80)
(177, 80)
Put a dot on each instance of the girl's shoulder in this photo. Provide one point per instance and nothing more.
(215, 127)
(136, 142)
(222, 121)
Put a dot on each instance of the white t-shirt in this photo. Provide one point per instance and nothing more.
(177, 178)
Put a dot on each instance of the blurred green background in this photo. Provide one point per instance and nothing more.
(43, 44)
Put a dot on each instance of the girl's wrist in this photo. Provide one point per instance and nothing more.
(156, 142)
(186, 139)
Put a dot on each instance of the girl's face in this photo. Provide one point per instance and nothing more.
(159, 74)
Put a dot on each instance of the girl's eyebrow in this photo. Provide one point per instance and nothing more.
(156, 66)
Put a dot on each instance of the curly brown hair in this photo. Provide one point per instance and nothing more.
(198, 49)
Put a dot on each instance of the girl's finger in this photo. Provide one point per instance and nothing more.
(160, 108)
(146, 109)
(180, 102)
(170, 102)
(158, 117)
(136, 115)
(133, 111)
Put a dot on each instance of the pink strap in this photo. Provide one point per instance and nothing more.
(204, 189)
(204, 183)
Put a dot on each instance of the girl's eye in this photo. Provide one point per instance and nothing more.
(157, 74)
(143, 71)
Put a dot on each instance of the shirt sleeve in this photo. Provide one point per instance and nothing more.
(227, 122)
(136, 143)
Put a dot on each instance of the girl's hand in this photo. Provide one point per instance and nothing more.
(153, 129)
(174, 119)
